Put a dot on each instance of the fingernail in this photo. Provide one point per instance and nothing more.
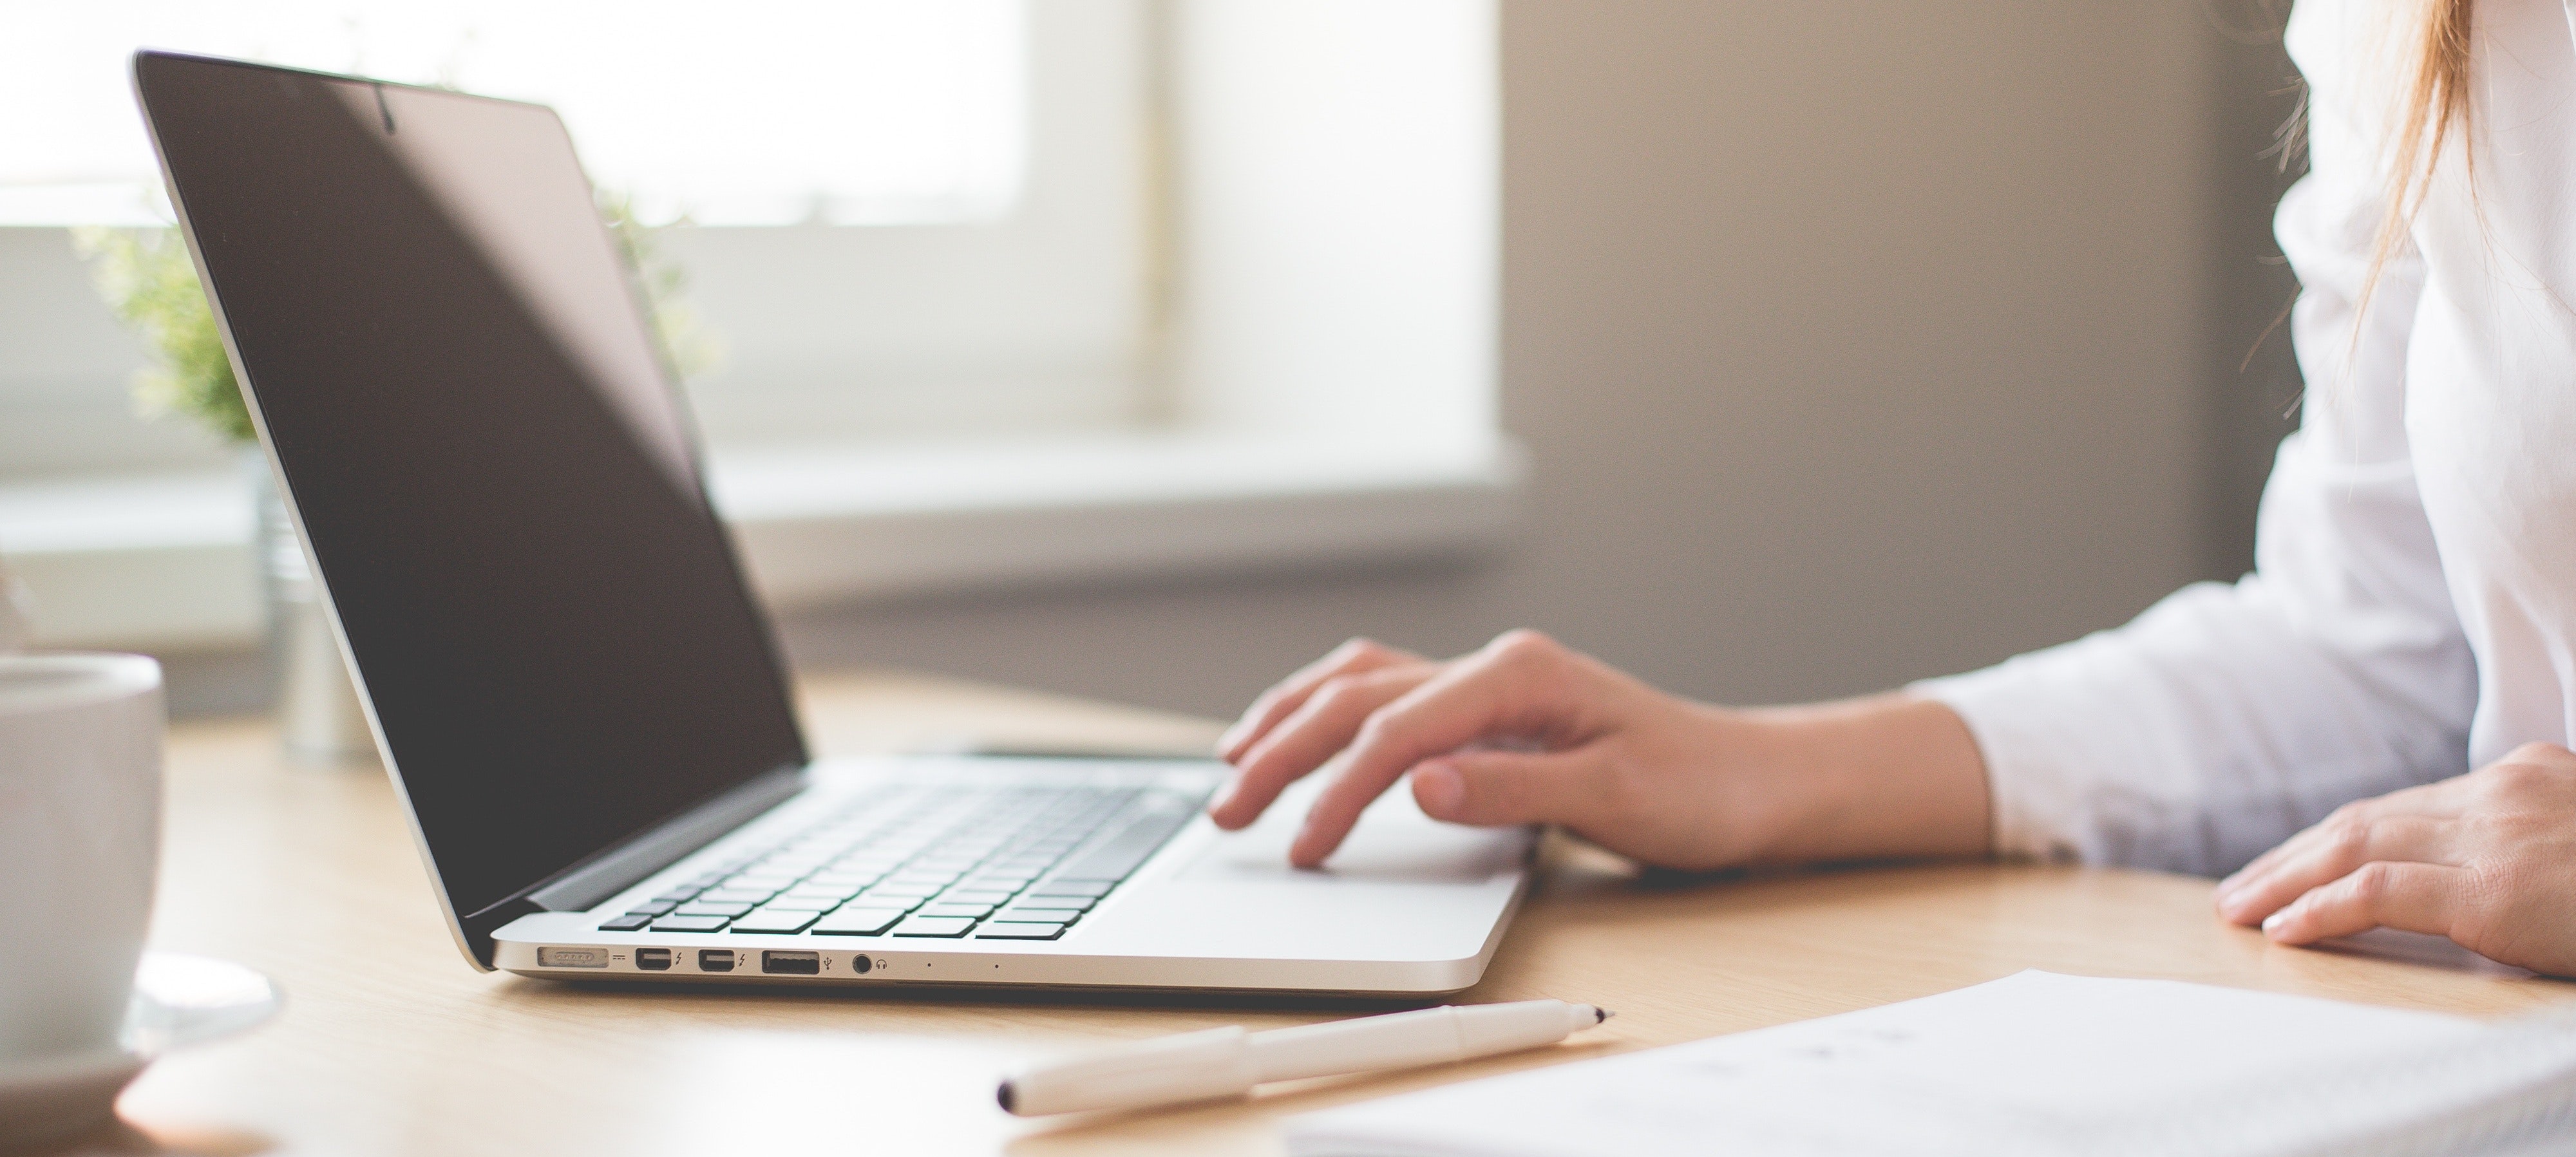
(1439, 789)
(1224, 795)
(2274, 921)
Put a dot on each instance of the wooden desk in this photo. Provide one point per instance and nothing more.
(391, 1044)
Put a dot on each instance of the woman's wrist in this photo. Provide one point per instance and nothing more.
(1891, 776)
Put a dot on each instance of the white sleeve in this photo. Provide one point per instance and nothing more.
(2227, 717)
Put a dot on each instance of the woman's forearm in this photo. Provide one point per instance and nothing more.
(1883, 777)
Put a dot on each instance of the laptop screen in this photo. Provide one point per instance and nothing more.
(492, 467)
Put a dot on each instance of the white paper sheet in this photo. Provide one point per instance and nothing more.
(2034, 1063)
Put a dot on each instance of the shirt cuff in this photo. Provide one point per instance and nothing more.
(2038, 806)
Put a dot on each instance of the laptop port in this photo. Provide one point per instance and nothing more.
(792, 963)
(715, 960)
(653, 959)
(572, 958)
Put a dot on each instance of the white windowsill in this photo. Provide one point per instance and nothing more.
(163, 563)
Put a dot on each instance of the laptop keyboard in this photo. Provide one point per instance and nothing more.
(994, 863)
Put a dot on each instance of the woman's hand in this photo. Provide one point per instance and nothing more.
(2487, 859)
(1527, 731)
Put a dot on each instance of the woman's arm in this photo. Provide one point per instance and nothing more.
(2228, 717)
(2218, 723)
(1527, 731)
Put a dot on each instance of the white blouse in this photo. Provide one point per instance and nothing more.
(2412, 612)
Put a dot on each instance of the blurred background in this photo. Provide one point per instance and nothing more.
(1145, 349)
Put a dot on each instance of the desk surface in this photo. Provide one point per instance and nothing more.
(391, 1044)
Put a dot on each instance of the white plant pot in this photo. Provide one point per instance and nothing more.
(319, 719)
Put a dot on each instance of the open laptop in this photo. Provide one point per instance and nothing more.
(568, 679)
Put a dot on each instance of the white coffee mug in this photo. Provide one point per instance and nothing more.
(80, 839)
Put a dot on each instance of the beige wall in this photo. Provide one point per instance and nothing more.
(1852, 342)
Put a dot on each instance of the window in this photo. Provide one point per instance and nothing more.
(842, 112)
(1105, 288)
(908, 218)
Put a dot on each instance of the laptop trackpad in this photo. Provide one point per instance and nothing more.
(1394, 844)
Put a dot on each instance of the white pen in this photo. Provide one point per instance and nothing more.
(1227, 1062)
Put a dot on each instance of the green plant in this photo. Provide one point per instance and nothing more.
(150, 281)
(693, 348)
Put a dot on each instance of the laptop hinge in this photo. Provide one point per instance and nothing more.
(610, 872)
(618, 869)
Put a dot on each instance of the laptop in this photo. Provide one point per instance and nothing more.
(578, 699)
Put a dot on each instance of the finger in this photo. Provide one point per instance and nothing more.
(2441, 800)
(1323, 726)
(2338, 848)
(1279, 702)
(1498, 788)
(2415, 897)
(1496, 691)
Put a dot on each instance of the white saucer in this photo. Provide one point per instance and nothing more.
(179, 1000)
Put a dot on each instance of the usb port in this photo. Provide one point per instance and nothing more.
(715, 960)
(792, 963)
(653, 959)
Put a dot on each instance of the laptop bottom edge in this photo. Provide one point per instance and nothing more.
(891, 964)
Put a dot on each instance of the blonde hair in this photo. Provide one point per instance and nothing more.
(2433, 100)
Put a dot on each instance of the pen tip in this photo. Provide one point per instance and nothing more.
(1600, 1014)
(1009, 1097)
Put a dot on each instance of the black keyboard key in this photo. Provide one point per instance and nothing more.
(630, 922)
(941, 926)
(1123, 852)
(781, 920)
(875, 899)
(690, 924)
(731, 895)
(969, 911)
(704, 908)
(1017, 930)
(653, 908)
(1076, 903)
(859, 922)
(1042, 913)
(678, 896)
(1088, 889)
(805, 903)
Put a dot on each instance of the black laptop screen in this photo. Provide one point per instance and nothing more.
(490, 462)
